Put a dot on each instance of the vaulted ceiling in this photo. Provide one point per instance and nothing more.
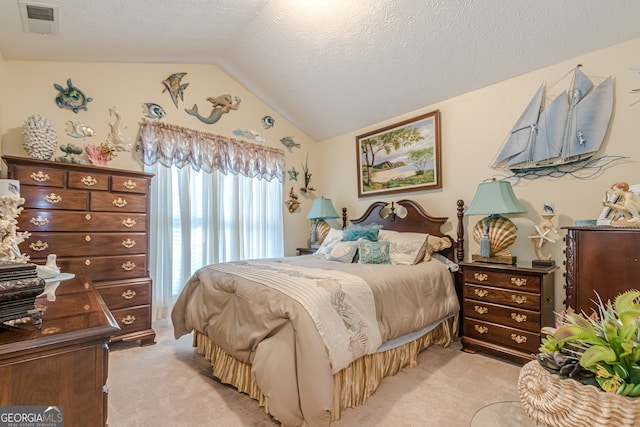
(331, 66)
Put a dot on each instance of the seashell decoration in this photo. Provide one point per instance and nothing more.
(40, 138)
(502, 234)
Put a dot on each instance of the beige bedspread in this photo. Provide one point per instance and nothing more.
(274, 333)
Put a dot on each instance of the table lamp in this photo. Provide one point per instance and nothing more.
(320, 210)
(494, 233)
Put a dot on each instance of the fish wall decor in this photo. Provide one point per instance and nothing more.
(71, 97)
(268, 122)
(153, 110)
(221, 104)
(249, 134)
(78, 129)
(288, 142)
(176, 88)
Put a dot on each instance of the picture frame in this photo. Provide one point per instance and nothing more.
(401, 157)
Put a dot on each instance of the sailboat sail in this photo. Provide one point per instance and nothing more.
(571, 128)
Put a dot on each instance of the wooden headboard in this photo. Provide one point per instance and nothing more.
(416, 220)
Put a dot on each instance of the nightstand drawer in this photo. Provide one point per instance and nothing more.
(508, 316)
(503, 296)
(524, 341)
(510, 280)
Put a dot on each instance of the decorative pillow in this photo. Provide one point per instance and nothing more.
(406, 248)
(334, 235)
(342, 251)
(373, 252)
(435, 244)
(354, 232)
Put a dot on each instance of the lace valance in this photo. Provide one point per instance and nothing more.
(174, 145)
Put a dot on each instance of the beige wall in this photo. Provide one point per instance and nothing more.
(474, 127)
(29, 90)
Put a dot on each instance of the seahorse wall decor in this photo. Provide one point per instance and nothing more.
(221, 104)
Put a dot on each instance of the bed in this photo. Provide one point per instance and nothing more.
(309, 336)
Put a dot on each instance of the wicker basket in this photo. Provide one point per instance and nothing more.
(552, 401)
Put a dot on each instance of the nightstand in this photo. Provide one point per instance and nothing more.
(306, 251)
(504, 308)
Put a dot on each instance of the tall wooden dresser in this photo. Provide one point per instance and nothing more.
(96, 221)
(605, 260)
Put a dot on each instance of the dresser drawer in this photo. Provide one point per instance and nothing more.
(509, 280)
(53, 198)
(127, 294)
(39, 176)
(38, 245)
(508, 316)
(112, 202)
(502, 296)
(42, 220)
(122, 184)
(88, 181)
(133, 319)
(524, 341)
(112, 267)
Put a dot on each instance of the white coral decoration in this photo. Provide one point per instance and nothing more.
(40, 138)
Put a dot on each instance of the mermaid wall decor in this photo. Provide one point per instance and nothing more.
(221, 104)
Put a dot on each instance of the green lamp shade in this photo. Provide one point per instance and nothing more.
(322, 209)
(494, 197)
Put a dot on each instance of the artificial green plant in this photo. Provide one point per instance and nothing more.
(602, 349)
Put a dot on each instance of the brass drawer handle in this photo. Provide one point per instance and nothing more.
(481, 292)
(128, 222)
(40, 176)
(480, 310)
(128, 320)
(518, 299)
(519, 317)
(53, 198)
(39, 246)
(89, 181)
(128, 243)
(87, 238)
(128, 294)
(87, 217)
(129, 185)
(519, 281)
(128, 266)
(481, 329)
(480, 277)
(518, 338)
(39, 221)
(119, 202)
(87, 262)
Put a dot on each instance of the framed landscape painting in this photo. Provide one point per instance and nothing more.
(402, 157)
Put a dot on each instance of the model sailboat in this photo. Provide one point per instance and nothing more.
(569, 129)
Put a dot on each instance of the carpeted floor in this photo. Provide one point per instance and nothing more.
(168, 384)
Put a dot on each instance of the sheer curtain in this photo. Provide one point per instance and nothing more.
(200, 218)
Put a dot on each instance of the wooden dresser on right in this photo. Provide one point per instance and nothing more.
(600, 259)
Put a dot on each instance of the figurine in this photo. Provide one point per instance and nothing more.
(627, 203)
(544, 229)
(71, 151)
(221, 104)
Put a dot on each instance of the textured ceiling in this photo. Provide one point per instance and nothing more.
(332, 66)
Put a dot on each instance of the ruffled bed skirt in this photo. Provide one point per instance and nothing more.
(352, 385)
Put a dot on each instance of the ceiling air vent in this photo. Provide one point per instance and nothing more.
(39, 18)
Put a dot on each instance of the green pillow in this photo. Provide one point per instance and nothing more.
(374, 252)
(352, 233)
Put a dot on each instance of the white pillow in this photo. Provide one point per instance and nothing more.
(334, 235)
(406, 248)
(343, 251)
